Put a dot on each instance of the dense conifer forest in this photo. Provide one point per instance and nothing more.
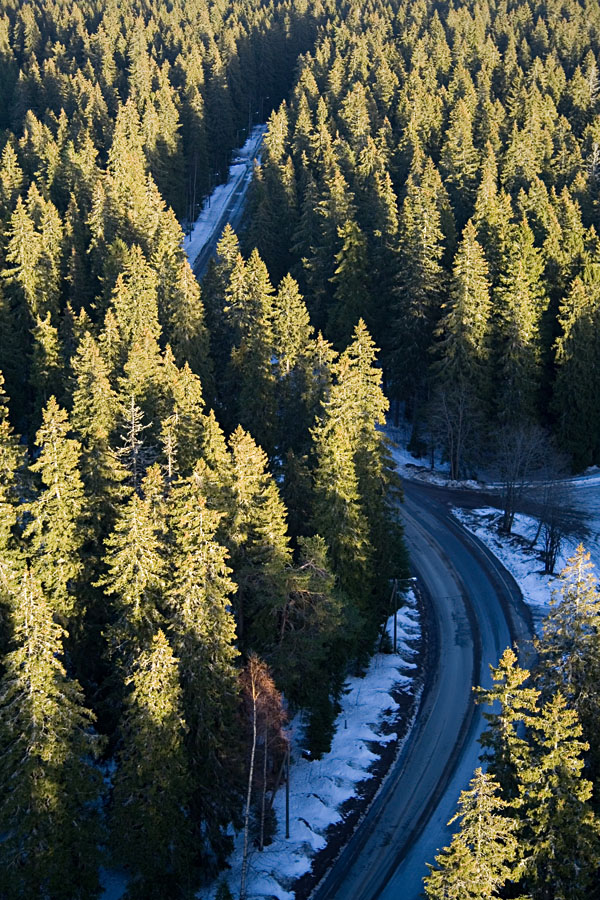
(198, 505)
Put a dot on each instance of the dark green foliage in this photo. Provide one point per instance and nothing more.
(151, 826)
(50, 787)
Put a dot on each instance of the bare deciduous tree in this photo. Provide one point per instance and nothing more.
(265, 716)
(456, 424)
(521, 451)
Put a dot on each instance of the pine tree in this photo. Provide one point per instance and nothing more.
(569, 649)
(337, 513)
(292, 342)
(134, 302)
(482, 855)
(50, 787)
(576, 391)
(461, 370)
(47, 365)
(187, 420)
(187, 330)
(94, 419)
(313, 642)
(57, 518)
(135, 564)
(459, 161)
(421, 284)
(151, 831)
(250, 376)
(351, 298)
(355, 488)
(214, 290)
(519, 301)
(463, 331)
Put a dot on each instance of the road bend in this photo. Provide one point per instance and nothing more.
(474, 610)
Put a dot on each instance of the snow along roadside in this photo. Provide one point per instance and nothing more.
(319, 788)
(516, 554)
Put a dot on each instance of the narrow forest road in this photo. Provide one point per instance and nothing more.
(225, 204)
(475, 611)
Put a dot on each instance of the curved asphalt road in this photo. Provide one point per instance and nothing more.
(476, 611)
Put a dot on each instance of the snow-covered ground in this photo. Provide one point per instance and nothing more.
(420, 468)
(213, 211)
(318, 788)
(514, 552)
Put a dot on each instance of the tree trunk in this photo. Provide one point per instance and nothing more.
(248, 799)
(261, 839)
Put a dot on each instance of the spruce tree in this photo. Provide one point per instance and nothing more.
(505, 748)
(559, 835)
(199, 598)
(94, 418)
(134, 579)
(483, 853)
(256, 535)
(11, 461)
(519, 301)
(250, 374)
(57, 524)
(151, 829)
(576, 390)
(50, 787)
(459, 161)
(569, 649)
(421, 284)
(351, 282)
(461, 370)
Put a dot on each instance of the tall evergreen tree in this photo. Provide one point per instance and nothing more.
(56, 524)
(569, 649)
(150, 810)
(421, 284)
(94, 418)
(199, 598)
(135, 563)
(483, 853)
(505, 748)
(250, 376)
(256, 535)
(519, 301)
(576, 391)
(559, 835)
(11, 460)
(50, 787)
